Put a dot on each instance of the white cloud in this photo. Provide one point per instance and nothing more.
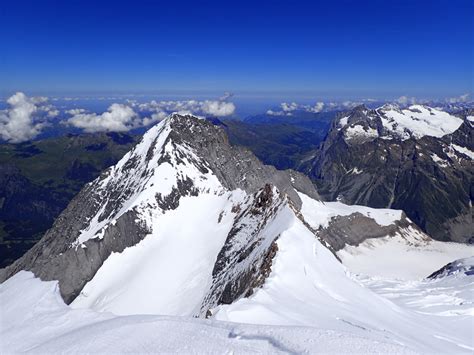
(218, 108)
(405, 100)
(134, 114)
(227, 95)
(75, 111)
(25, 117)
(278, 113)
(287, 109)
(459, 99)
(318, 107)
(50, 110)
(118, 118)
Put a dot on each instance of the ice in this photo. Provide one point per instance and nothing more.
(407, 257)
(357, 131)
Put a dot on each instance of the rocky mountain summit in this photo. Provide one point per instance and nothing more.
(182, 156)
(418, 159)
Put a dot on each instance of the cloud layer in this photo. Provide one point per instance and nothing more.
(118, 118)
(288, 109)
(133, 114)
(25, 117)
(459, 99)
(218, 108)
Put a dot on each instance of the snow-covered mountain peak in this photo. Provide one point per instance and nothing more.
(183, 168)
(389, 106)
(392, 122)
(418, 121)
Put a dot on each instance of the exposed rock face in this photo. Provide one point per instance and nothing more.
(419, 160)
(245, 260)
(460, 267)
(181, 156)
(356, 228)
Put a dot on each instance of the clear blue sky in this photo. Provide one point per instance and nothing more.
(326, 48)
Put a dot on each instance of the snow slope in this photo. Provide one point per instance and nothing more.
(400, 257)
(170, 271)
(358, 131)
(309, 287)
(319, 213)
(309, 303)
(411, 256)
(447, 296)
(53, 327)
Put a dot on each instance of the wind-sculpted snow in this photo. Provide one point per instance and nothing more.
(54, 327)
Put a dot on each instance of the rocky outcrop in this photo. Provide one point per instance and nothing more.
(462, 267)
(245, 260)
(356, 228)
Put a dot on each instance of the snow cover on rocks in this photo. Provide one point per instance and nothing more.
(417, 121)
(358, 131)
(463, 150)
(170, 270)
(148, 178)
(319, 213)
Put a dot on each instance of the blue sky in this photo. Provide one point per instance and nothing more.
(327, 49)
